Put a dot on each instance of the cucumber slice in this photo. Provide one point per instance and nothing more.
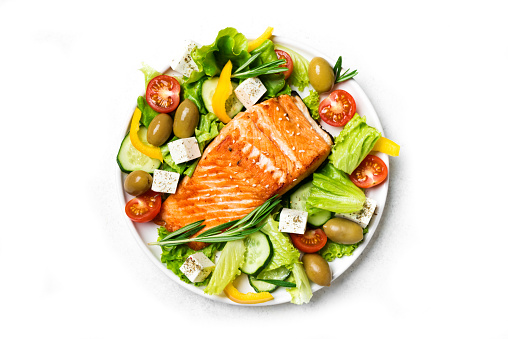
(298, 201)
(280, 273)
(233, 105)
(258, 253)
(130, 159)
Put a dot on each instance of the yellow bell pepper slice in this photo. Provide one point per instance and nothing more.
(257, 42)
(387, 146)
(148, 150)
(222, 93)
(246, 298)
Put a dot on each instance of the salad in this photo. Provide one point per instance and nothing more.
(287, 241)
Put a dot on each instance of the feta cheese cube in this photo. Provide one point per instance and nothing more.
(363, 216)
(250, 91)
(165, 181)
(197, 267)
(183, 150)
(183, 62)
(293, 221)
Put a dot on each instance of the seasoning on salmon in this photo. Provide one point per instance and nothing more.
(263, 151)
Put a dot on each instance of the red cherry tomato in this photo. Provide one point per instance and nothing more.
(311, 241)
(163, 94)
(338, 108)
(371, 172)
(289, 62)
(144, 207)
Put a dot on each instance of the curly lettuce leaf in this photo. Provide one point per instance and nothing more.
(333, 250)
(208, 128)
(300, 76)
(302, 293)
(228, 267)
(175, 256)
(332, 190)
(312, 103)
(210, 59)
(353, 144)
(284, 253)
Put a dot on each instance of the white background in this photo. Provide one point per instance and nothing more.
(436, 72)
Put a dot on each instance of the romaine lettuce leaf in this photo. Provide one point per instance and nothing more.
(312, 103)
(147, 112)
(228, 267)
(300, 76)
(302, 293)
(353, 144)
(210, 59)
(332, 190)
(284, 253)
(175, 256)
(149, 73)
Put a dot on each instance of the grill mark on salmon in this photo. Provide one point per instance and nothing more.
(264, 151)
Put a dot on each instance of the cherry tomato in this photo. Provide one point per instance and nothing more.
(289, 62)
(371, 172)
(311, 241)
(338, 108)
(163, 94)
(145, 207)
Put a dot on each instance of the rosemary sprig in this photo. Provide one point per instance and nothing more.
(344, 76)
(268, 68)
(234, 230)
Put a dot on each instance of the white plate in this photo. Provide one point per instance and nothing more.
(147, 232)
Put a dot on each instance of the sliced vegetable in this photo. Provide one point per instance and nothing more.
(222, 93)
(372, 171)
(163, 93)
(144, 208)
(260, 285)
(311, 241)
(228, 267)
(387, 146)
(233, 105)
(258, 253)
(289, 62)
(246, 298)
(130, 159)
(338, 108)
(145, 148)
(257, 42)
(353, 144)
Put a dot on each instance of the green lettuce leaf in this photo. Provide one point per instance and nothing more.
(228, 267)
(312, 103)
(175, 256)
(149, 73)
(353, 144)
(333, 250)
(302, 293)
(193, 92)
(210, 59)
(208, 128)
(147, 112)
(284, 253)
(332, 190)
(274, 83)
(300, 76)
(168, 160)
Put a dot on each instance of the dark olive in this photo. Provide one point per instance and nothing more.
(160, 129)
(186, 119)
(343, 231)
(317, 269)
(137, 182)
(321, 75)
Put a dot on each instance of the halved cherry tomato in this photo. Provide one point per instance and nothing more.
(289, 62)
(145, 207)
(163, 93)
(311, 241)
(338, 108)
(371, 172)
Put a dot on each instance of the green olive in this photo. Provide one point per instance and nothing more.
(137, 182)
(317, 269)
(186, 119)
(343, 231)
(321, 75)
(160, 129)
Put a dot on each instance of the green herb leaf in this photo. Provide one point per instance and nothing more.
(281, 283)
(344, 76)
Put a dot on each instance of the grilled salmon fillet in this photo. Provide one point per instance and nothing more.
(264, 151)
